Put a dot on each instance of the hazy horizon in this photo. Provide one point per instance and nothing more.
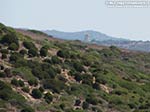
(77, 15)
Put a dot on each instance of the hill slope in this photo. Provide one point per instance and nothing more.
(69, 76)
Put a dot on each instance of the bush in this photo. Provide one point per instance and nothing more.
(63, 53)
(4, 91)
(78, 66)
(43, 51)
(1, 67)
(4, 56)
(116, 100)
(29, 45)
(26, 89)
(36, 93)
(85, 105)
(41, 89)
(92, 100)
(55, 60)
(54, 85)
(77, 103)
(13, 46)
(27, 109)
(96, 86)
(87, 79)
(7, 71)
(32, 52)
(20, 83)
(48, 97)
(17, 82)
(4, 51)
(51, 73)
(2, 74)
(23, 52)
(62, 106)
(33, 82)
(14, 82)
(14, 57)
(10, 38)
(7, 94)
(38, 73)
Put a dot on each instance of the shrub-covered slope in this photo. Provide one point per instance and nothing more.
(69, 76)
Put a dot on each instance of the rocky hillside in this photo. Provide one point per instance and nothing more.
(39, 73)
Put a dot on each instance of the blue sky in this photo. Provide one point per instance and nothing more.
(77, 15)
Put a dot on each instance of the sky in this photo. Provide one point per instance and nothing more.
(77, 15)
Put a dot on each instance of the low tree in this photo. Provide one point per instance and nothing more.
(85, 105)
(14, 82)
(63, 53)
(36, 93)
(20, 83)
(10, 38)
(33, 82)
(13, 46)
(29, 45)
(32, 52)
(44, 51)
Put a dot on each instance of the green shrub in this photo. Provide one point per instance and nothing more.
(20, 83)
(14, 82)
(4, 51)
(23, 52)
(77, 102)
(62, 106)
(116, 100)
(29, 45)
(4, 56)
(10, 38)
(13, 46)
(32, 52)
(43, 51)
(33, 82)
(48, 97)
(41, 89)
(55, 60)
(63, 53)
(14, 57)
(78, 66)
(26, 89)
(2, 67)
(87, 79)
(54, 85)
(2, 74)
(92, 100)
(7, 71)
(96, 86)
(27, 109)
(85, 105)
(7, 94)
(17, 82)
(36, 93)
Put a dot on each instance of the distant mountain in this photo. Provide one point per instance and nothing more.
(93, 35)
(101, 39)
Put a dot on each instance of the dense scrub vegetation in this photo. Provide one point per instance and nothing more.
(70, 76)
